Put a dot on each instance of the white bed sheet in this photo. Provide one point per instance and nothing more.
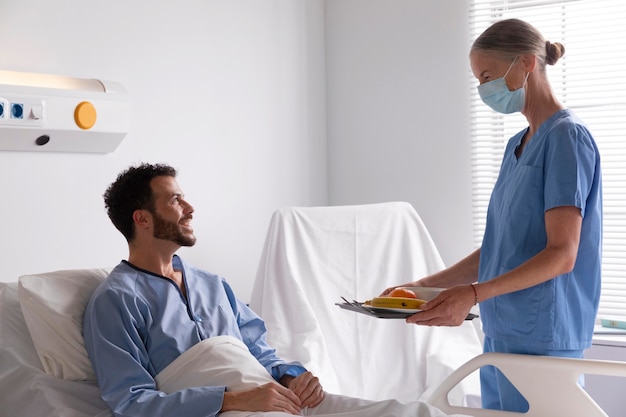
(26, 389)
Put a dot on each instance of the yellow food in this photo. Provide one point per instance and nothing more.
(396, 302)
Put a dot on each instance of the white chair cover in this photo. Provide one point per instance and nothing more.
(312, 257)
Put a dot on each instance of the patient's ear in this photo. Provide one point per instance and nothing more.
(142, 219)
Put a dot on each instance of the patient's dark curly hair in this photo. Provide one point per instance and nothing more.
(131, 191)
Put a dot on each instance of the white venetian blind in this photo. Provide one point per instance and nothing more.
(591, 80)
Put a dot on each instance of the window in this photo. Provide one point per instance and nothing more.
(591, 80)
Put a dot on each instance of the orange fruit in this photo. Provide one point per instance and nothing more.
(402, 292)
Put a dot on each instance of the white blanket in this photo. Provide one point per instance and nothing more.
(225, 360)
(217, 361)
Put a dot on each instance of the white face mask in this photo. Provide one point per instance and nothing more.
(497, 95)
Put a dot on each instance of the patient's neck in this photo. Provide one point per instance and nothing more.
(156, 258)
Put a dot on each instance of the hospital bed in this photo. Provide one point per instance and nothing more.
(44, 370)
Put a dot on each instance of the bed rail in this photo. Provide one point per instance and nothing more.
(549, 384)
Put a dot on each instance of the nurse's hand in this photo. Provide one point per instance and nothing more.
(449, 308)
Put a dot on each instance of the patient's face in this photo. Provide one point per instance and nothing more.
(173, 214)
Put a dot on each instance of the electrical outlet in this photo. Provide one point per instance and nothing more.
(22, 111)
(17, 110)
(4, 110)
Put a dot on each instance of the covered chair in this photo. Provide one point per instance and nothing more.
(315, 255)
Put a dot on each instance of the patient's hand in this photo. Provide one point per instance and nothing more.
(307, 387)
(269, 397)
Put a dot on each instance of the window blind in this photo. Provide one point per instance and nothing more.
(591, 80)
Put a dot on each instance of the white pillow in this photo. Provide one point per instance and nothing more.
(53, 304)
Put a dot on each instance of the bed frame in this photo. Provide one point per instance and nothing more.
(549, 384)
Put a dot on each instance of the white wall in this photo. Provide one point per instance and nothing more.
(230, 92)
(397, 89)
(233, 93)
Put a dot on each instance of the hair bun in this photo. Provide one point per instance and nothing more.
(554, 52)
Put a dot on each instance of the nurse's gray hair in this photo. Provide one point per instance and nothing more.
(509, 38)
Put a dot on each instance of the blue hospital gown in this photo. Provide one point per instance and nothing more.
(137, 323)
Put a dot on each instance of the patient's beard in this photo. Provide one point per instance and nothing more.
(166, 230)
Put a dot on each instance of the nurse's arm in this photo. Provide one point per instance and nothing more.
(563, 226)
(463, 272)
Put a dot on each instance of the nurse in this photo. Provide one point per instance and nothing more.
(537, 272)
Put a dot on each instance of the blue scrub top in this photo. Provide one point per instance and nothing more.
(560, 166)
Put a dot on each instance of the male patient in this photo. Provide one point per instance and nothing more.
(154, 307)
